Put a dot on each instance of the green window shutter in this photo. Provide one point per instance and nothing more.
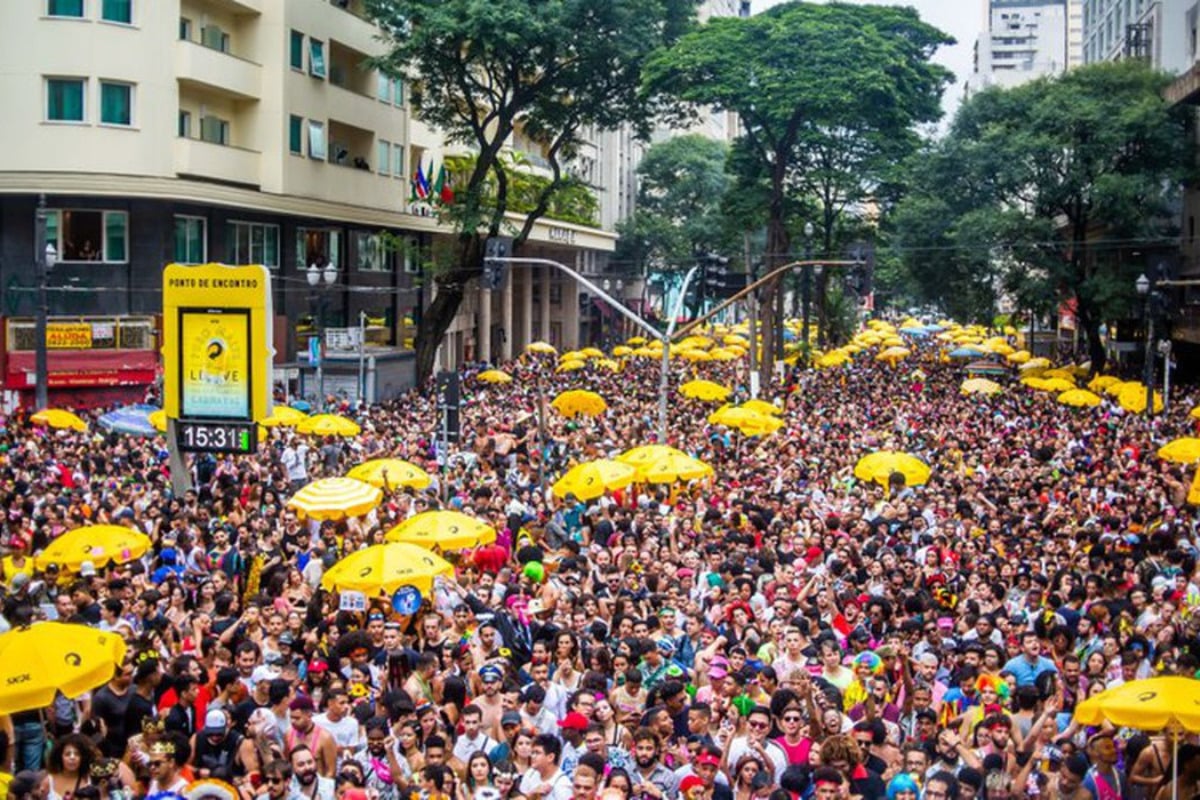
(117, 11)
(116, 104)
(64, 100)
(297, 50)
(115, 237)
(316, 58)
(65, 8)
(295, 134)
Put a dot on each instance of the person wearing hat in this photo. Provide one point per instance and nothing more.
(18, 561)
(490, 702)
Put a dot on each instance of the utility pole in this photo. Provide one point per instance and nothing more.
(43, 253)
(752, 302)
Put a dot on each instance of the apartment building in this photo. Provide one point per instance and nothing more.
(1152, 30)
(236, 131)
(1024, 40)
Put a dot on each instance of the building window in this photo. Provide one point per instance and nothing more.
(64, 8)
(213, 37)
(371, 253)
(185, 29)
(64, 99)
(297, 50)
(397, 92)
(190, 239)
(316, 58)
(214, 130)
(117, 11)
(116, 103)
(296, 134)
(185, 124)
(398, 160)
(383, 89)
(252, 243)
(89, 235)
(320, 246)
(316, 140)
(383, 157)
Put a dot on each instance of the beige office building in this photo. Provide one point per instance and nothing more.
(239, 131)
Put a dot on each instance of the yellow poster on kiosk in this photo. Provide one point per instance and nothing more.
(217, 342)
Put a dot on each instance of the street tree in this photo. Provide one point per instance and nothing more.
(799, 68)
(1032, 186)
(479, 72)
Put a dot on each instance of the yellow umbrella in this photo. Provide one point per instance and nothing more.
(646, 352)
(691, 354)
(725, 354)
(834, 359)
(1102, 382)
(1195, 413)
(1019, 357)
(696, 343)
(1036, 363)
(335, 498)
(99, 544)
(980, 386)
(579, 401)
(1060, 372)
(591, 352)
(644, 454)
(158, 419)
(390, 473)
(672, 469)
(59, 419)
(38, 660)
(1133, 399)
(1079, 398)
(608, 364)
(328, 425)
(543, 348)
(1170, 703)
(443, 530)
(570, 365)
(880, 465)
(636, 340)
(1114, 389)
(381, 569)
(745, 420)
(1185, 450)
(762, 407)
(621, 350)
(1056, 385)
(1193, 497)
(284, 416)
(591, 479)
(734, 338)
(494, 376)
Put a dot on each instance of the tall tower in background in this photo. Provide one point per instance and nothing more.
(1024, 40)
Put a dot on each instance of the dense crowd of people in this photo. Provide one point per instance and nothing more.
(784, 630)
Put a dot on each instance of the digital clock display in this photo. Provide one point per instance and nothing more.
(216, 436)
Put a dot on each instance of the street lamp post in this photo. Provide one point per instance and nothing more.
(1145, 288)
(806, 292)
(314, 274)
(44, 257)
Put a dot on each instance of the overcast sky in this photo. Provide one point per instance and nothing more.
(962, 19)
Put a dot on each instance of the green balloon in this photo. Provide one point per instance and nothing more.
(535, 571)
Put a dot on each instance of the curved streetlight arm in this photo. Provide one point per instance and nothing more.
(770, 276)
(616, 304)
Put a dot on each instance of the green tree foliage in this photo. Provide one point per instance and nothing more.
(678, 213)
(1025, 193)
(805, 78)
(573, 201)
(480, 71)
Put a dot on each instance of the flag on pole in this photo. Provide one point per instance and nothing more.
(420, 184)
(442, 192)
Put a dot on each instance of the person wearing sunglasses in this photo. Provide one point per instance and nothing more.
(166, 757)
(277, 776)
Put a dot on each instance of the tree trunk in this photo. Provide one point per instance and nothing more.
(435, 321)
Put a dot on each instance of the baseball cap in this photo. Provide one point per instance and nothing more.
(574, 721)
(214, 723)
(709, 759)
(490, 673)
(510, 718)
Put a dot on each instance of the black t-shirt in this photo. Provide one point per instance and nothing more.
(138, 709)
(110, 707)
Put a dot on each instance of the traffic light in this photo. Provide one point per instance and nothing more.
(720, 282)
(494, 272)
